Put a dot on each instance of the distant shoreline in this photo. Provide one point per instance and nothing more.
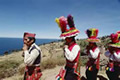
(16, 50)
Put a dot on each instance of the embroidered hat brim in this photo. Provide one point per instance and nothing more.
(115, 45)
(70, 33)
(93, 40)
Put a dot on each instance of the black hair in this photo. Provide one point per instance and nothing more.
(32, 38)
(73, 38)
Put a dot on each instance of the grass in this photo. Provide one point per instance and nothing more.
(47, 64)
(84, 60)
(52, 62)
(8, 68)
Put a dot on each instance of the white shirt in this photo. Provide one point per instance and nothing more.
(30, 58)
(115, 56)
(108, 54)
(94, 54)
(71, 55)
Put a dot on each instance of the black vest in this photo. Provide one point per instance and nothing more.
(38, 59)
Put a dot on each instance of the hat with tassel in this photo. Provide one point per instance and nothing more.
(92, 34)
(63, 23)
(115, 40)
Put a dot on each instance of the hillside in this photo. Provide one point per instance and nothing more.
(12, 66)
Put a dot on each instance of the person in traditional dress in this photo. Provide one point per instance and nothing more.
(93, 53)
(113, 53)
(32, 57)
(71, 48)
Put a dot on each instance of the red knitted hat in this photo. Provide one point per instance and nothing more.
(26, 34)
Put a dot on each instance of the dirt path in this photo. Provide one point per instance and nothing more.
(51, 73)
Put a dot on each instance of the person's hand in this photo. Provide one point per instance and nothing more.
(90, 51)
(25, 47)
(66, 46)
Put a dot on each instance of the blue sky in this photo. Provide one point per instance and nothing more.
(38, 16)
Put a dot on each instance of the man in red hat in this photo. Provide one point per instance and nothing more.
(93, 53)
(32, 57)
(113, 53)
(71, 49)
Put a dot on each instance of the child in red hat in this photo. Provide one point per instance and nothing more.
(113, 53)
(71, 49)
(93, 52)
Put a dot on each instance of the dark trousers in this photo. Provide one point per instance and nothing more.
(70, 75)
(91, 75)
(115, 74)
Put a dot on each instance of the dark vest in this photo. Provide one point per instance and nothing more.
(38, 59)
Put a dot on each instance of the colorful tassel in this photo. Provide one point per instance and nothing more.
(70, 21)
(109, 69)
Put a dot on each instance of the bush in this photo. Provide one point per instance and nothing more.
(21, 70)
(8, 68)
(84, 60)
(52, 62)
